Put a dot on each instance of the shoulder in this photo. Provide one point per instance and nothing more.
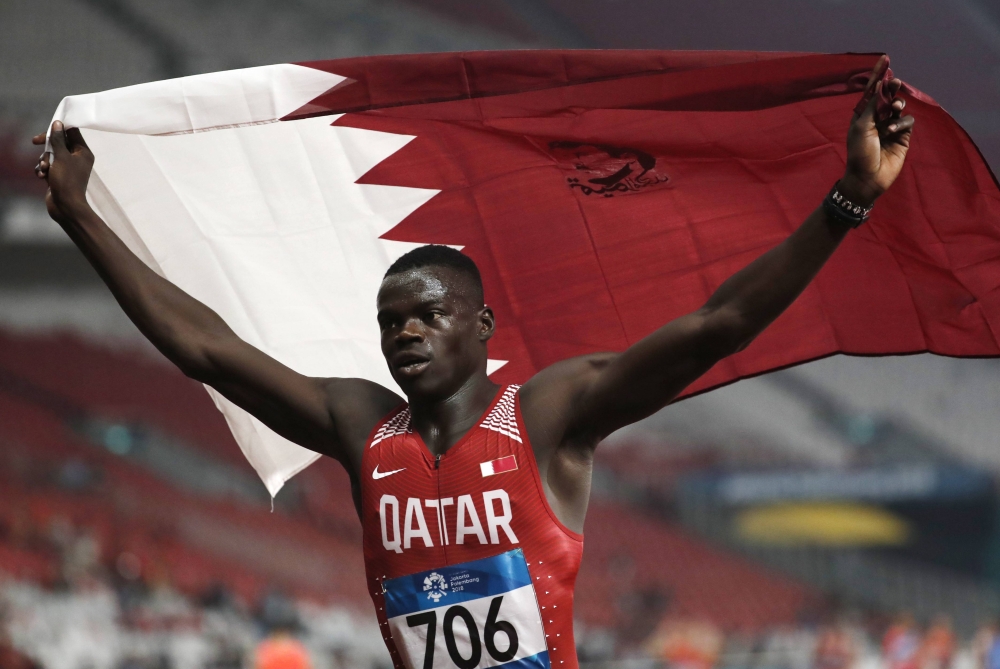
(548, 400)
(357, 406)
(567, 377)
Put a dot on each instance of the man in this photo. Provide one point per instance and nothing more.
(472, 497)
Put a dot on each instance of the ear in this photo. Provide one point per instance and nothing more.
(487, 323)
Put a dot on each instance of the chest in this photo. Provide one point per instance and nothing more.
(470, 496)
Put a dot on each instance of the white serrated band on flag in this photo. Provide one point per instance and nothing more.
(261, 221)
(200, 102)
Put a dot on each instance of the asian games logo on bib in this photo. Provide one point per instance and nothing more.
(435, 586)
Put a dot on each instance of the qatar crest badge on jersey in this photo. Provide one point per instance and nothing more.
(482, 613)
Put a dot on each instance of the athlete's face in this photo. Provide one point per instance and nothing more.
(434, 330)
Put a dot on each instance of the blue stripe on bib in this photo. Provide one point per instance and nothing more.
(538, 661)
(453, 585)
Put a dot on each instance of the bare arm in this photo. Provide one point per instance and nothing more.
(599, 394)
(320, 414)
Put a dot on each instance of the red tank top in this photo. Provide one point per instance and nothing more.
(466, 562)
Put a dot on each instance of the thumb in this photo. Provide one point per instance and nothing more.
(57, 138)
(866, 120)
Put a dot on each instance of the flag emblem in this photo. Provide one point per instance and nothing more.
(498, 466)
(601, 169)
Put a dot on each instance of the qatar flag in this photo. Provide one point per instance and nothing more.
(601, 193)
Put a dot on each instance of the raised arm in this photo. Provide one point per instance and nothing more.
(599, 394)
(326, 415)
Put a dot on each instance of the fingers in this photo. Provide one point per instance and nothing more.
(896, 128)
(42, 168)
(892, 130)
(61, 141)
(900, 126)
(58, 144)
(896, 107)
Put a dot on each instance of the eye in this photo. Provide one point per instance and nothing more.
(432, 316)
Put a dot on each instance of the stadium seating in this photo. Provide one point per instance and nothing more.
(120, 385)
(130, 510)
(626, 551)
(128, 386)
(312, 550)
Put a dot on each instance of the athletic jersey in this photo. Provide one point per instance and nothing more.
(466, 562)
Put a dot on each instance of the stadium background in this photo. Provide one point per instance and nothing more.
(838, 514)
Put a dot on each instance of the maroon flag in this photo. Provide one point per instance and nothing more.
(605, 193)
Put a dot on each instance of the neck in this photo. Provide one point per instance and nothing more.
(441, 423)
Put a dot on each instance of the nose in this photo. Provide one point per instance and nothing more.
(411, 332)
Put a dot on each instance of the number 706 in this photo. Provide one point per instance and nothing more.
(490, 630)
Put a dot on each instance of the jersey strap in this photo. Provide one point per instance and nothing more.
(503, 418)
(398, 424)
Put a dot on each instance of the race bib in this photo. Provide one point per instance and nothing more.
(478, 614)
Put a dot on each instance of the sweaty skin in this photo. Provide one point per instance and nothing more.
(435, 328)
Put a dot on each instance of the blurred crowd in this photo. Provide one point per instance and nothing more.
(96, 605)
(847, 642)
(102, 627)
(125, 620)
(89, 602)
(90, 614)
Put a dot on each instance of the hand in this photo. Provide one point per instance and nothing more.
(876, 149)
(67, 174)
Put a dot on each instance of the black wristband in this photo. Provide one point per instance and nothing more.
(845, 211)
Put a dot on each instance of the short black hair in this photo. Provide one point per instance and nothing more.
(438, 255)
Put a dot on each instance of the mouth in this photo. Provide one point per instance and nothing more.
(410, 364)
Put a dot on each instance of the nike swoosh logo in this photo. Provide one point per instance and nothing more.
(376, 474)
